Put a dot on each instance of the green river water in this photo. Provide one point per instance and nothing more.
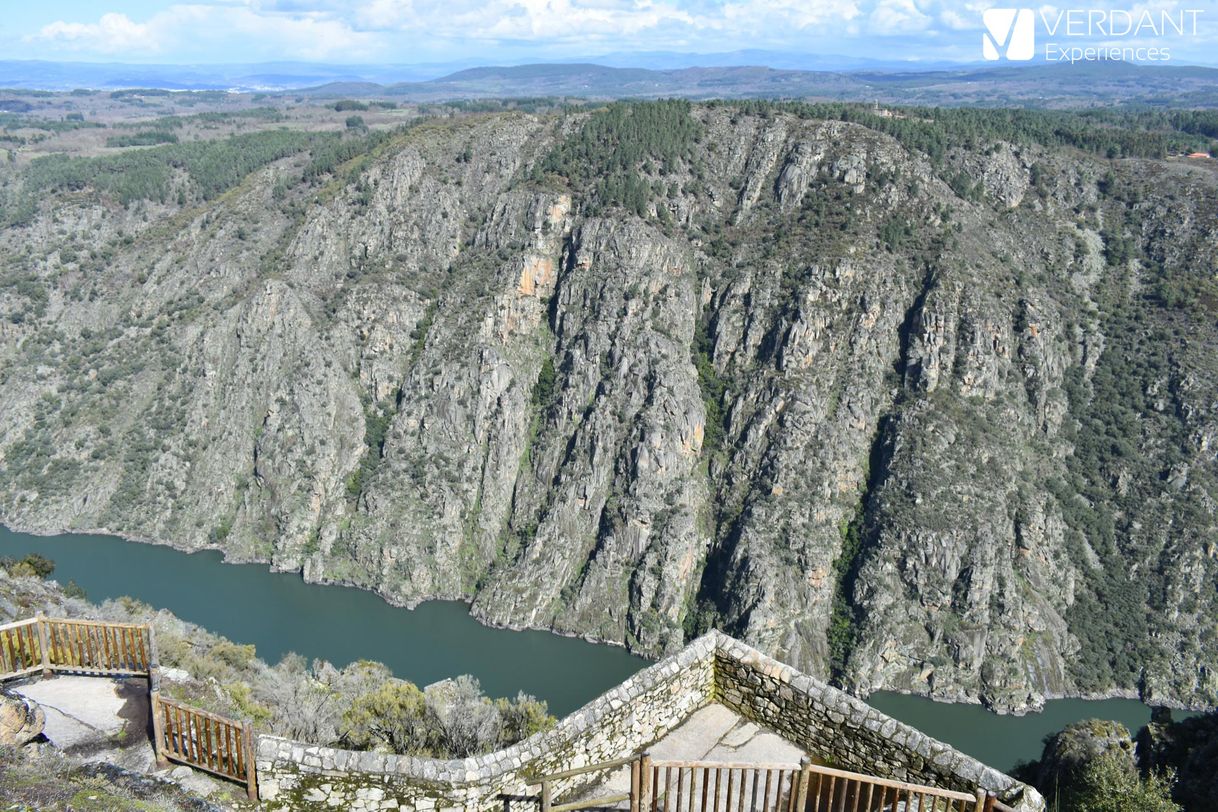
(279, 613)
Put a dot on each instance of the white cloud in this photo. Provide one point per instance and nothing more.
(613, 23)
(956, 16)
(384, 13)
(198, 28)
(113, 33)
(759, 16)
(403, 30)
(424, 30)
(897, 17)
(550, 20)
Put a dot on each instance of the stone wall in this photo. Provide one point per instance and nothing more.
(828, 723)
(621, 721)
(846, 732)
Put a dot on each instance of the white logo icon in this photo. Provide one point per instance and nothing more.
(1010, 33)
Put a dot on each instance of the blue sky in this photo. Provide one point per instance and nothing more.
(418, 31)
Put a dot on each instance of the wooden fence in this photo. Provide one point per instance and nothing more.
(76, 647)
(20, 648)
(692, 786)
(180, 733)
(686, 786)
(602, 801)
(204, 740)
(93, 647)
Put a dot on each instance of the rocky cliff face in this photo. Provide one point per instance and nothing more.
(946, 426)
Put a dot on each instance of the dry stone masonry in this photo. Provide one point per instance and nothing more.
(846, 732)
(830, 724)
(619, 722)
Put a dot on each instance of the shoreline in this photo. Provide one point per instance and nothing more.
(389, 600)
(1114, 693)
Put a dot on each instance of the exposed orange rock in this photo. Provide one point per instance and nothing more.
(536, 272)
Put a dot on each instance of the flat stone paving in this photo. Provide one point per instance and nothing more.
(714, 733)
(100, 719)
(83, 713)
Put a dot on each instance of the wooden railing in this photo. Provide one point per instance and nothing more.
(831, 789)
(93, 647)
(723, 787)
(179, 732)
(684, 786)
(697, 786)
(75, 646)
(20, 648)
(204, 740)
(547, 786)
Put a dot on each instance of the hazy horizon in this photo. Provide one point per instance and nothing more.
(422, 32)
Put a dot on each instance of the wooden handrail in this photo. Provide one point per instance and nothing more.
(22, 651)
(699, 786)
(590, 768)
(816, 768)
(77, 646)
(205, 740)
(77, 621)
(190, 735)
(94, 647)
(591, 803)
(803, 788)
(588, 803)
(726, 765)
(992, 803)
(901, 785)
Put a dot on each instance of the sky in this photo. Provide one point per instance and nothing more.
(424, 31)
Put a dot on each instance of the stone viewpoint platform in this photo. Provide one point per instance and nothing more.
(713, 675)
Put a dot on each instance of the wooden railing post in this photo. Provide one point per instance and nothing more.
(545, 796)
(990, 800)
(634, 785)
(44, 647)
(158, 730)
(154, 699)
(805, 778)
(251, 772)
(154, 661)
(980, 800)
(645, 787)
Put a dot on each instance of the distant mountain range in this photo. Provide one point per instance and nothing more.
(274, 76)
(742, 74)
(279, 76)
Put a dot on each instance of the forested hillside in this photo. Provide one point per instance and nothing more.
(917, 399)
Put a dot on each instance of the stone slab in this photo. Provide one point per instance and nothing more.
(81, 711)
(714, 733)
